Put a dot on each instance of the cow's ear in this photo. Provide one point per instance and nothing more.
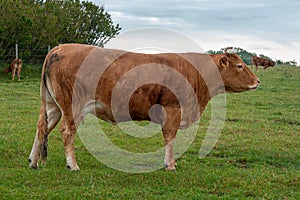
(223, 62)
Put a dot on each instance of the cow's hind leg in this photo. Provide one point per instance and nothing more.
(39, 137)
(68, 129)
(13, 73)
(53, 117)
(19, 74)
(48, 119)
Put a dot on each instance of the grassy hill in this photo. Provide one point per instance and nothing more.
(257, 155)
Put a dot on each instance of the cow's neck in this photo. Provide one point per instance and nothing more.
(210, 84)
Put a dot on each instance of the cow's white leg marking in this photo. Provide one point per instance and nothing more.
(170, 163)
(71, 161)
(35, 152)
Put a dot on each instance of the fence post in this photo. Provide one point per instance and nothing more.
(17, 53)
(48, 48)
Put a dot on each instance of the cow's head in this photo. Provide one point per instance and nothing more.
(237, 77)
(272, 63)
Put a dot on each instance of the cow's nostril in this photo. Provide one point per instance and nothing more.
(258, 81)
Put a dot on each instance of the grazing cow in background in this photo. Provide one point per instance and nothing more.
(69, 92)
(16, 68)
(265, 63)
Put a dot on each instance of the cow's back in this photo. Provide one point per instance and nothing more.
(82, 73)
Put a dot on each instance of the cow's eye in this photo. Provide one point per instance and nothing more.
(240, 66)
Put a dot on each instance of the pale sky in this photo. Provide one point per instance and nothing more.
(268, 27)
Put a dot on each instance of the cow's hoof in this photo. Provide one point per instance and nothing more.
(171, 167)
(73, 169)
(33, 166)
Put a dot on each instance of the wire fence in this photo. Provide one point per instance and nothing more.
(28, 55)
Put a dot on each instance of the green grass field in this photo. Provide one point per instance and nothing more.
(256, 157)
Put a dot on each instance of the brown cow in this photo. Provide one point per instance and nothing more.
(16, 68)
(69, 91)
(265, 63)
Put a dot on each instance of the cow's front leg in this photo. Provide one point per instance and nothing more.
(169, 130)
(169, 160)
(68, 130)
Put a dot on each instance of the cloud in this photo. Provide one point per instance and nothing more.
(146, 20)
(266, 26)
(277, 50)
(154, 40)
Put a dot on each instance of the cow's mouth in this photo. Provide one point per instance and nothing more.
(234, 89)
(253, 87)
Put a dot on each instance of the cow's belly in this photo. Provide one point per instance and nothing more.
(135, 112)
(99, 110)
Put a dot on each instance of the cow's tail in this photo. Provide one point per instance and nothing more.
(7, 69)
(45, 91)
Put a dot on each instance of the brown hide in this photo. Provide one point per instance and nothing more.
(169, 89)
(63, 69)
(265, 63)
(16, 68)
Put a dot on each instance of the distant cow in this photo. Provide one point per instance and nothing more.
(69, 92)
(265, 63)
(16, 68)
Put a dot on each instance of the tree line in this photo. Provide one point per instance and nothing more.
(247, 56)
(37, 24)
